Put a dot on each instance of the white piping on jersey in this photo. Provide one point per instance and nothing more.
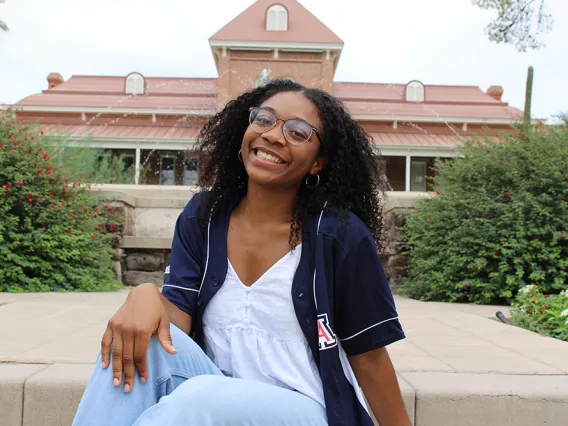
(317, 232)
(368, 328)
(207, 261)
(181, 288)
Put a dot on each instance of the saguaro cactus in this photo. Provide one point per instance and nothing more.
(528, 98)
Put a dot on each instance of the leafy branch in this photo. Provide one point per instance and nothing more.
(520, 23)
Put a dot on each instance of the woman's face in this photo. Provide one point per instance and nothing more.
(270, 159)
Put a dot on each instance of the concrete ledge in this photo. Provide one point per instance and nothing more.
(12, 380)
(115, 196)
(460, 399)
(161, 202)
(168, 191)
(396, 199)
(409, 397)
(53, 395)
(147, 242)
(48, 395)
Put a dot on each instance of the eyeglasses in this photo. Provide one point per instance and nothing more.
(296, 131)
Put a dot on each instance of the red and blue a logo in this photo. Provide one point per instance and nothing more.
(326, 336)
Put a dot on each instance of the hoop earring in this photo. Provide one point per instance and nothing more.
(308, 183)
(240, 156)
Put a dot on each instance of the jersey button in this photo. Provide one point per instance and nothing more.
(308, 320)
(215, 283)
(199, 302)
(300, 295)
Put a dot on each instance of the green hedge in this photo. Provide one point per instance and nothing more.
(52, 236)
(499, 222)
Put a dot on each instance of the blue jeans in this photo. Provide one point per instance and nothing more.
(188, 389)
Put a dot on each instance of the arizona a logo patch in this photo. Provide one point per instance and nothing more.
(326, 336)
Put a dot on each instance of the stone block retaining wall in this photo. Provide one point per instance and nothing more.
(149, 213)
(144, 266)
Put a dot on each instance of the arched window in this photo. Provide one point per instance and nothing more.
(135, 84)
(415, 92)
(277, 19)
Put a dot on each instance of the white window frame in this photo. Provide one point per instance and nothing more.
(168, 156)
(185, 171)
(277, 18)
(415, 92)
(135, 84)
(424, 183)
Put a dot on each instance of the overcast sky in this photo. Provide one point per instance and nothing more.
(435, 41)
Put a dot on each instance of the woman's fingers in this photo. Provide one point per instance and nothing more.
(128, 360)
(105, 347)
(141, 342)
(164, 336)
(116, 359)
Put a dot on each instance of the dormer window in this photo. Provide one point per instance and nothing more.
(135, 84)
(277, 19)
(415, 92)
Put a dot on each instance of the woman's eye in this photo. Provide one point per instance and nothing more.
(263, 119)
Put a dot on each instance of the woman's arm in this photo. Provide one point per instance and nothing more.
(377, 378)
(177, 317)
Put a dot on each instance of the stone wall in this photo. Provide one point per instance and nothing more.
(144, 266)
(393, 260)
(148, 213)
(122, 226)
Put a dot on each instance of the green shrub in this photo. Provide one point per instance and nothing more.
(544, 314)
(52, 236)
(498, 223)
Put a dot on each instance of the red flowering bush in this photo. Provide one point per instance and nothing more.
(51, 237)
(544, 314)
(499, 223)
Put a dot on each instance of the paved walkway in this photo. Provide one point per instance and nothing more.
(458, 366)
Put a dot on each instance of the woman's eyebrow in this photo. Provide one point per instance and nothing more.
(269, 109)
(274, 112)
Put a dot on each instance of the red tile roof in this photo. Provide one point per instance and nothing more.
(416, 139)
(198, 94)
(108, 92)
(154, 86)
(303, 27)
(437, 112)
(395, 92)
(180, 132)
(459, 102)
(122, 101)
(138, 132)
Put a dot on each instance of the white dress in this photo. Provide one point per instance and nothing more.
(252, 332)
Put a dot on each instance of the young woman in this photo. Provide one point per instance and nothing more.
(275, 275)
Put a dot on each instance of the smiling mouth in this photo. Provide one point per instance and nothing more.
(267, 157)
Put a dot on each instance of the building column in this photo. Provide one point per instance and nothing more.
(408, 165)
(137, 167)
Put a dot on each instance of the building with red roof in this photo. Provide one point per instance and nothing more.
(155, 121)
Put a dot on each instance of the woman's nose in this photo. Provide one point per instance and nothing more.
(276, 134)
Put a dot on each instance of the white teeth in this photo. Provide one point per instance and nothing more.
(268, 157)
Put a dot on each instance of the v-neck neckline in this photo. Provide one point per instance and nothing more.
(254, 284)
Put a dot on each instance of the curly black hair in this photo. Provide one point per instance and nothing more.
(351, 181)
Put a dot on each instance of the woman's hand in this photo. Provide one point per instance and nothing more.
(129, 332)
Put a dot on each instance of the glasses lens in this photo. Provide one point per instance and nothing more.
(262, 120)
(297, 131)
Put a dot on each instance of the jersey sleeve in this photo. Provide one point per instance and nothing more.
(365, 311)
(184, 271)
